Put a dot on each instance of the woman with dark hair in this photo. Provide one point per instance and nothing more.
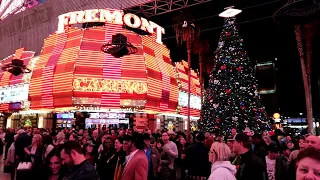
(308, 164)
(105, 169)
(89, 154)
(54, 168)
(47, 142)
(159, 145)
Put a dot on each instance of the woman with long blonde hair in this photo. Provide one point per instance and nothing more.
(219, 156)
(35, 153)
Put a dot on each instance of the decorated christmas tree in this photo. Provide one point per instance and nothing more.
(27, 123)
(232, 99)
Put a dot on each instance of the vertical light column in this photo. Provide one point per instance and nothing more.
(48, 71)
(153, 74)
(111, 68)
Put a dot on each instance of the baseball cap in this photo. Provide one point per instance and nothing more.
(241, 137)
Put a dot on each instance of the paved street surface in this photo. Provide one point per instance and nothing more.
(3, 176)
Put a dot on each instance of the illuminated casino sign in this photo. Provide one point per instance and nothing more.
(105, 85)
(109, 16)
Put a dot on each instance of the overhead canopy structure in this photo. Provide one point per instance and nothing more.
(31, 27)
(157, 7)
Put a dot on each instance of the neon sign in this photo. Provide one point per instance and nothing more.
(110, 16)
(105, 85)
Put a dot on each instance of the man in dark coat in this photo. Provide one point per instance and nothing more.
(9, 139)
(250, 167)
(24, 140)
(197, 160)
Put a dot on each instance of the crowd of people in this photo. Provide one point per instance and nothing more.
(124, 154)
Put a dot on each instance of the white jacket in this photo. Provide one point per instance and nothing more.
(223, 170)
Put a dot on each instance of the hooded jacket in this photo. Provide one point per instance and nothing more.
(223, 170)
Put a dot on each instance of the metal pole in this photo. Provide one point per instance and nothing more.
(189, 89)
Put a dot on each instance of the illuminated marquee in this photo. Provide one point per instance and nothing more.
(110, 16)
(119, 86)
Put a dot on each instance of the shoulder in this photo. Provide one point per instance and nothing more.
(221, 174)
(257, 162)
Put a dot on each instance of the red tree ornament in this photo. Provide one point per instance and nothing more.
(239, 68)
(223, 67)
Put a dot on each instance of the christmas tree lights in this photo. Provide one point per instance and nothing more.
(232, 99)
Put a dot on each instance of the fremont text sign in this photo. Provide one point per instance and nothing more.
(109, 16)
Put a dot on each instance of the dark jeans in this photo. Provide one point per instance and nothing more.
(6, 150)
(1, 147)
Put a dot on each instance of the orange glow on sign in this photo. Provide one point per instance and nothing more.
(105, 85)
(109, 16)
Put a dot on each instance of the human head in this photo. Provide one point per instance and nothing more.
(286, 151)
(219, 152)
(54, 162)
(121, 133)
(95, 133)
(118, 143)
(146, 139)
(47, 139)
(159, 144)
(127, 143)
(273, 151)
(288, 138)
(165, 137)
(267, 139)
(73, 137)
(61, 136)
(80, 132)
(103, 138)
(313, 141)
(21, 131)
(113, 132)
(234, 131)
(290, 145)
(308, 164)
(108, 143)
(89, 148)
(15, 137)
(302, 143)
(37, 140)
(71, 153)
(200, 137)
(84, 140)
(257, 139)
(137, 142)
(182, 140)
(241, 144)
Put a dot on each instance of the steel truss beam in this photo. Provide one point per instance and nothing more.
(157, 7)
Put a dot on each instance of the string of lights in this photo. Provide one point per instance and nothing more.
(220, 27)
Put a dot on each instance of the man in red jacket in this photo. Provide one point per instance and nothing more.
(137, 162)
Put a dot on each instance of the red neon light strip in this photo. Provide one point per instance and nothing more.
(90, 60)
(154, 76)
(111, 68)
(36, 80)
(64, 70)
(48, 71)
(133, 66)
